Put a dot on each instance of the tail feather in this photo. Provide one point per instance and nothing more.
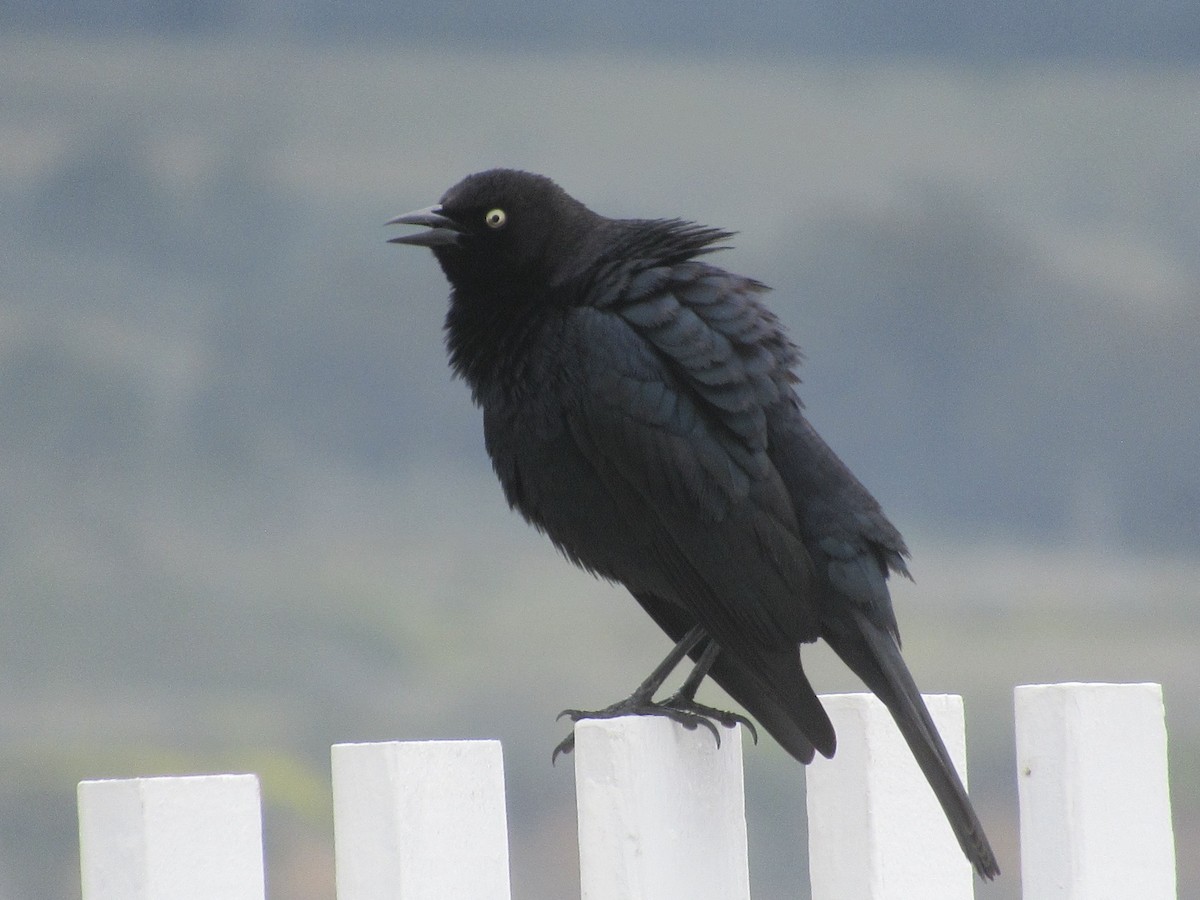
(772, 687)
(775, 691)
(873, 655)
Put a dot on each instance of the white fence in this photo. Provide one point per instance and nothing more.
(661, 813)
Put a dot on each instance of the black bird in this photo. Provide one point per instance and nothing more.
(639, 408)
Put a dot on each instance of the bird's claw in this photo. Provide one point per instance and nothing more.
(565, 746)
(679, 709)
(711, 714)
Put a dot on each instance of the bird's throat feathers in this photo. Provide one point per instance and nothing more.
(487, 338)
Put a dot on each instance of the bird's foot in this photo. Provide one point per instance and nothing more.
(689, 714)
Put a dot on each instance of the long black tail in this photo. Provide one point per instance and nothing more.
(875, 658)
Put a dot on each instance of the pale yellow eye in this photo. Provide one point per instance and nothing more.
(495, 218)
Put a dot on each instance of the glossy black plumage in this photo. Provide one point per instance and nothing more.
(639, 408)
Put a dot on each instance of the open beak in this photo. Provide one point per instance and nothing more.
(442, 231)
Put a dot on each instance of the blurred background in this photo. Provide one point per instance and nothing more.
(246, 513)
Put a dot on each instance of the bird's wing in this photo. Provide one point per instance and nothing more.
(672, 383)
(854, 545)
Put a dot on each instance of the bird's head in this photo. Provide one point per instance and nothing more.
(500, 227)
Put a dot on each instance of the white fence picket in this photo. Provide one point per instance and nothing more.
(875, 830)
(1094, 795)
(662, 816)
(189, 838)
(422, 820)
(661, 811)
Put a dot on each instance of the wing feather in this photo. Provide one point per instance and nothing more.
(670, 411)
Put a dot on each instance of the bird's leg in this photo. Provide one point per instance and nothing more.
(644, 692)
(685, 698)
(641, 701)
(687, 690)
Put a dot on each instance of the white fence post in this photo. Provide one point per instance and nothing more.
(662, 814)
(191, 838)
(661, 811)
(1095, 802)
(875, 829)
(422, 820)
